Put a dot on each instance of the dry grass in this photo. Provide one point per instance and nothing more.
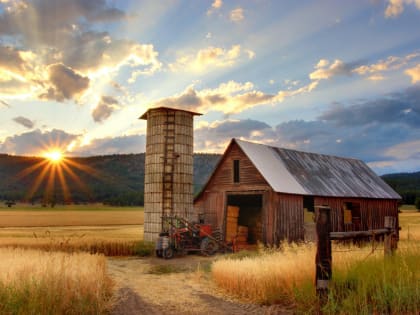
(38, 218)
(109, 240)
(363, 281)
(35, 282)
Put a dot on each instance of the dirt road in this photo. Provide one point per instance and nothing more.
(177, 286)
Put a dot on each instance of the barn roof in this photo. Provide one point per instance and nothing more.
(304, 173)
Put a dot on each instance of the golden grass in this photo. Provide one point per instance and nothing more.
(35, 282)
(107, 240)
(28, 218)
(286, 276)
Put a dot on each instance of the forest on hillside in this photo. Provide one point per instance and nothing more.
(111, 179)
(116, 179)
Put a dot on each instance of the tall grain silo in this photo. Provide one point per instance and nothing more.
(168, 181)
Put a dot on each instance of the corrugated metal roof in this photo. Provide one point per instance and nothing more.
(303, 173)
(144, 116)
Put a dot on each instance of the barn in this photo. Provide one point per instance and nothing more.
(265, 190)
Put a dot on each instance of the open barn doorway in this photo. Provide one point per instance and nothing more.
(248, 224)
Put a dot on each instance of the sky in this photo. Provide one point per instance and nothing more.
(331, 77)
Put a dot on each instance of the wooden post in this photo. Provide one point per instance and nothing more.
(323, 271)
(390, 238)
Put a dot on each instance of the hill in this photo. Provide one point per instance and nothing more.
(406, 184)
(114, 179)
(118, 179)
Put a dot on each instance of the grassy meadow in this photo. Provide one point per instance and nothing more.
(38, 282)
(363, 281)
(113, 231)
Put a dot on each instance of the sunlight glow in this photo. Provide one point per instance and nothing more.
(54, 156)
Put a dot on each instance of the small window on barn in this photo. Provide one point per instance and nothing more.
(352, 214)
(236, 171)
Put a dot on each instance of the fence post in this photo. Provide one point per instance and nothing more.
(323, 271)
(390, 242)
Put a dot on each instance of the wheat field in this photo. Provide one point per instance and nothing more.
(36, 282)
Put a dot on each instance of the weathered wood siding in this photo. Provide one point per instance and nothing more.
(283, 218)
(212, 201)
(372, 211)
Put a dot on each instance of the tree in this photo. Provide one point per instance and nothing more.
(417, 203)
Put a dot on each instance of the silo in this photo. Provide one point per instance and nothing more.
(168, 180)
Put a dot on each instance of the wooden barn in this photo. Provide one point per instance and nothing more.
(264, 190)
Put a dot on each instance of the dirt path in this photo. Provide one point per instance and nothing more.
(177, 286)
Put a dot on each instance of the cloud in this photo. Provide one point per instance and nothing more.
(66, 32)
(403, 107)
(414, 73)
(231, 97)
(24, 122)
(326, 71)
(35, 142)
(391, 63)
(117, 145)
(405, 150)
(66, 83)
(237, 15)
(228, 98)
(208, 58)
(104, 109)
(396, 7)
(216, 5)
(215, 136)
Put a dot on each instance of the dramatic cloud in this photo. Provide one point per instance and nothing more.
(35, 142)
(24, 122)
(208, 58)
(396, 7)
(231, 97)
(65, 32)
(237, 15)
(401, 107)
(66, 83)
(104, 109)
(414, 73)
(215, 136)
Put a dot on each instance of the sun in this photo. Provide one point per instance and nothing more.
(55, 156)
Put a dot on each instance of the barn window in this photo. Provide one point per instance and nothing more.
(236, 171)
(352, 214)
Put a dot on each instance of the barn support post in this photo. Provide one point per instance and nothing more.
(390, 238)
(323, 271)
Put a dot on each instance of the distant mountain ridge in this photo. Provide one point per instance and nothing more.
(114, 179)
(119, 179)
(406, 184)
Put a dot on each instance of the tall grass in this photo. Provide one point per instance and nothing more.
(363, 282)
(35, 282)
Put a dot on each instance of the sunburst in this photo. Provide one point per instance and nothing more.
(54, 171)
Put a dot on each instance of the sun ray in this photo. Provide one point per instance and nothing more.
(77, 179)
(38, 181)
(27, 171)
(63, 183)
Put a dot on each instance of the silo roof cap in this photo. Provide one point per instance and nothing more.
(144, 116)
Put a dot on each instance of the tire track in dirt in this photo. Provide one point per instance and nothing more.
(186, 290)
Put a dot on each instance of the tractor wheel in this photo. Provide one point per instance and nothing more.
(168, 253)
(208, 246)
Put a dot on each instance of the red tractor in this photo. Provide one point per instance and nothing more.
(181, 237)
